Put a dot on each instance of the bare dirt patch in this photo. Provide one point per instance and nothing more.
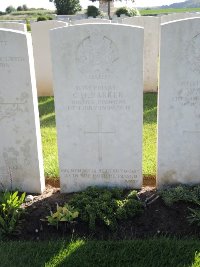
(156, 220)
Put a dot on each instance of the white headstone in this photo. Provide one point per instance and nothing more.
(98, 97)
(20, 146)
(93, 20)
(42, 55)
(179, 102)
(67, 18)
(151, 49)
(13, 26)
(178, 16)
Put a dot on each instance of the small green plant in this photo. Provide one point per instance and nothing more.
(181, 193)
(129, 12)
(106, 206)
(10, 212)
(93, 11)
(185, 194)
(62, 214)
(43, 18)
(194, 217)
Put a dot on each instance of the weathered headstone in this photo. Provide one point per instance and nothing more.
(178, 16)
(92, 20)
(179, 102)
(98, 97)
(67, 18)
(42, 55)
(151, 48)
(21, 164)
(13, 26)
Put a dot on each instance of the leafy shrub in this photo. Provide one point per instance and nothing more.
(181, 193)
(106, 206)
(10, 212)
(186, 194)
(67, 7)
(129, 12)
(93, 11)
(43, 18)
(62, 214)
(194, 217)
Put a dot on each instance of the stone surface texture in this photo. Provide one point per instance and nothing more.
(13, 26)
(42, 55)
(179, 102)
(178, 16)
(92, 20)
(151, 48)
(98, 100)
(21, 164)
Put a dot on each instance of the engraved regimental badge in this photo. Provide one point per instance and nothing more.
(96, 54)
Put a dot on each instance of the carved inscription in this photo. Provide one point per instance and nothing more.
(9, 109)
(128, 175)
(188, 94)
(3, 43)
(5, 62)
(98, 97)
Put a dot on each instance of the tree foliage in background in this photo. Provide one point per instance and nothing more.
(19, 8)
(10, 9)
(22, 8)
(93, 11)
(129, 12)
(67, 7)
(108, 1)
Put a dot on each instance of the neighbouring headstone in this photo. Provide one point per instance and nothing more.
(21, 164)
(92, 20)
(13, 26)
(151, 48)
(98, 97)
(67, 18)
(178, 16)
(179, 102)
(42, 55)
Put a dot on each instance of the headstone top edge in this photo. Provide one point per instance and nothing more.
(13, 31)
(178, 21)
(99, 24)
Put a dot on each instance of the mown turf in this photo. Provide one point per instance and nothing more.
(49, 135)
(137, 253)
(149, 134)
(146, 12)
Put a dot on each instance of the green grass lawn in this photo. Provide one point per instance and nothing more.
(136, 253)
(49, 138)
(144, 12)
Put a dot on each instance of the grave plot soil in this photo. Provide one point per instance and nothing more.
(156, 220)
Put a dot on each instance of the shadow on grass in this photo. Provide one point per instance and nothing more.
(46, 105)
(137, 253)
(150, 108)
(47, 111)
(49, 121)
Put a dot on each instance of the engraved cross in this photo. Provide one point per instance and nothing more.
(99, 132)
